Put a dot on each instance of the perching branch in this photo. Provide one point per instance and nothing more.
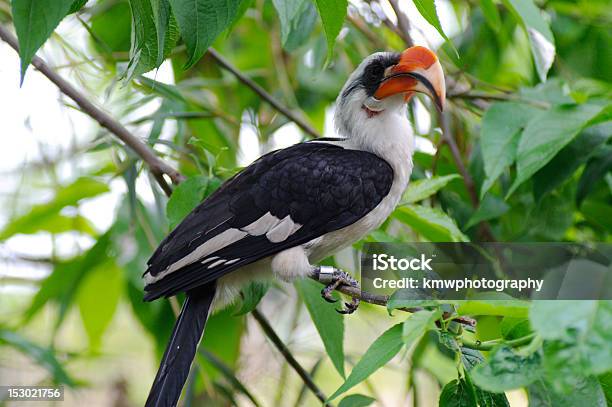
(262, 93)
(158, 167)
(282, 348)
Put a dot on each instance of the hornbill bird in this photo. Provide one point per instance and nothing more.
(293, 207)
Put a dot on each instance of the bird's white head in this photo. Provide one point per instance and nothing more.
(383, 83)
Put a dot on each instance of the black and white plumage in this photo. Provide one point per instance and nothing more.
(292, 207)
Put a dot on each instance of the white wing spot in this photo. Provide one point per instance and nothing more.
(283, 230)
(262, 225)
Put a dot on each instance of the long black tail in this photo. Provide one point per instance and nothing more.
(181, 349)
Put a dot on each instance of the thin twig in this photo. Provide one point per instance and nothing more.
(282, 348)
(156, 165)
(262, 93)
(403, 24)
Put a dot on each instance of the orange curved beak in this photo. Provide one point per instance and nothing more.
(418, 70)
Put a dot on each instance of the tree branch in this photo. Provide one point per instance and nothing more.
(282, 348)
(403, 23)
(262, 93)
(158, 167)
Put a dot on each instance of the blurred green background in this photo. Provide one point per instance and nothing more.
(522, 153)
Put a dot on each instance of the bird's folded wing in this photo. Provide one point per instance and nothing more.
(284, 199)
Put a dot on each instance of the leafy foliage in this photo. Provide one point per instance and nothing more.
(527, 125)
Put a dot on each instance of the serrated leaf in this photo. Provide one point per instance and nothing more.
(381, 351)
(507, 370)
(547, 133)
(42, 356)
(154, 35)
(253, 293)
(432, 223)
(98, 297)
(201, 21)
(499, 137)
(427, 8)
(328, 322)
(423, 188)
(287, 12)
(356, 400)
(539, 33)
(34, 22)
(333, 13)
(457, 394)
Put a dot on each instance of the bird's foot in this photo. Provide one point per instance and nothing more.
(334, 279)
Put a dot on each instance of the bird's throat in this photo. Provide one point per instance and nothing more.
(371, 113)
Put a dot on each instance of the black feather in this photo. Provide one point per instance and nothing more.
(321, 186)
(181, 349)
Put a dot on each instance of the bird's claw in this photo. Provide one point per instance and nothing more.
(326, 293)
(338, 278)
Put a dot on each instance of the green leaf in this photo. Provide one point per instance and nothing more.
(570, 158)
(62, 284)
(427, 8)
(253, 293)
(588, 392)
(332, 14)
(46, 214)
(185, 197)
(297, 21)
(42, 356)
(98, 297)
(547, 133)
(407, 297)
(490, 207)
(514, 328)
(432, 223)
(507, 370)
(539, 33)
(584, 329)
(356, 400)
(470, 359)
(34, 22)
(201, 21)
(499, 136)
(491, 14)
(417, 324)
(301, 27)
(423, 188)
(378, 354)
(328, 322)
(154, 35)
(597, 167)
(457, 394)
(77, 5)
(605, 381)
(506, 308)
